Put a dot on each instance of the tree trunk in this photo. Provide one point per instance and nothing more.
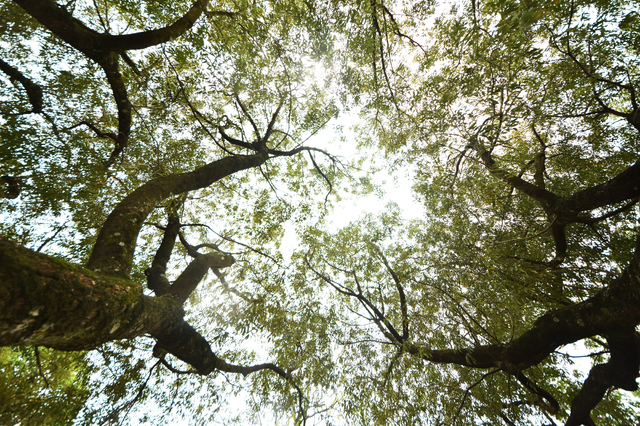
(49, 302)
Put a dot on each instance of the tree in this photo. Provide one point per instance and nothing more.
(519, 120)
(227, 95)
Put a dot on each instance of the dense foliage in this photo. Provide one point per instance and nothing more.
(183, 154)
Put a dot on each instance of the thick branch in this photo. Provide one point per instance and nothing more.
(72, 31)
(113, 251)
(615, 307)
(620, 372)
(34, 92)
(105, 50)
(235, 141)
(565, 210)
(150, 38)
(547, 199)
(156, 278)
(539, 163)
(10, 187)
(92, 43)
(622, 187)
(191, 277)
(49, 302)
(63, 24)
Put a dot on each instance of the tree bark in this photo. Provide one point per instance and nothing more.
(113, 251)
(46, 301)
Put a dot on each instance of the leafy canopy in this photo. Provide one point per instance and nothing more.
(517, 120)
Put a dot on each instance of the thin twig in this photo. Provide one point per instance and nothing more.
(37, 352)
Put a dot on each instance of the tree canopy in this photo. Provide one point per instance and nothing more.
(169, 174)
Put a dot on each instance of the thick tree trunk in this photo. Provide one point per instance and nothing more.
(49, 302)
(46, 301)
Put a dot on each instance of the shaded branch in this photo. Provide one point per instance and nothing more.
(34, 92)
(110, 66)
(529, 237)
(590, 220)
(249, 117)
(539, 161)
(129, 404)
(543, 196)
(624, 186)
(326, 179)
(376, 26)
(193, 252)
(150, 38)
(49, 239)
(36, 351)
(105, 50)
(621, 372)
(468, 390)
(75, 33)
(184, 342)
(234, 141)
(175, 370)
(59, 21)
(397, 29)
(612, 308)
(274, 117)
(196, 113)
(156, 278)
(400, 289)
(632, 117)
(387, 329)
(95, 130)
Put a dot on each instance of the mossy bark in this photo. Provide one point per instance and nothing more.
(49, 302)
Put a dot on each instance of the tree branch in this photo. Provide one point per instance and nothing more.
(552, 407)
(92, 43)
(624, 186)
(621, 372)
(105, 50)
(591, 220)
(400, 289)
(187, 282)
(156, 278)
(150, 38)
(10, 187)
(543, 196)
(34, 92)
(114, 248)
(614, 307)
